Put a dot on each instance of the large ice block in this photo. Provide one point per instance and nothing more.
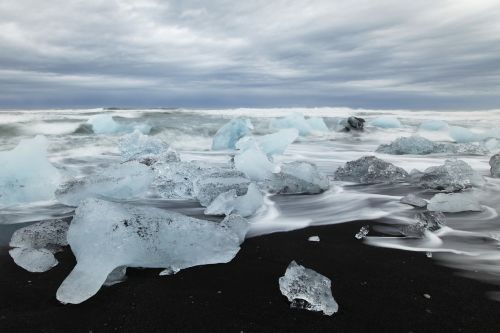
(227, 136)
(229, 202)
(454, 203)
(104, 236)
(298, 178)
(370, 169)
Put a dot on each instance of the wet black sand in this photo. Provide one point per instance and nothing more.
(378, 290)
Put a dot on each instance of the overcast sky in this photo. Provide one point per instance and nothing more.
(421, 54)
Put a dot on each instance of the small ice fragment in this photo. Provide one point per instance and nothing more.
(495, 166)
(413, 200)
(370, 169)
(454, 203)
(169, 271)
(386, 122)
(27, 174)
(307, 289)
(427, 296)
(428, 254)
(227, 136)
(229, 202)
(105, 235)
(427, 220)
(313, 239)
(118, 275)
(121, 181)
(34, 246)
(363, 232)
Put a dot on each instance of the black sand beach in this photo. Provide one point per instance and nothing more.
(378, 290)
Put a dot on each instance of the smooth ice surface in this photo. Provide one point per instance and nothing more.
(119, 182)
(314, 239)
(229, 202)
(417, 145)
(298, 178)
(254, 163)
(386, 122)
(105, 124)
(370, 169)
(26, 174)
(307, 289)
(303, 125)
(276, 143)
(454, 203)
(34, 246)
(227, 136)
(495, 166)
(413, 200)
(145, 149)
(434, 125)
(424, 221)
(105, 235)
(454, 175)
(463, 135)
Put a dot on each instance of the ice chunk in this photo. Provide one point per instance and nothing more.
(118, 275)
(298, 178)
(26, 174)
(363, 232)
(370, 169)
(454, 203)
(386, 122)
(433, 125)
(454, 175)
(229, 202)
(427, 220)
(105, 124)
(35, 245)
(145, 149)
(227, 136)
(413, 200)
(105, 235)
(421, 146)
(297, 120)
(122, 181)
(212, 184)
(462, 135)
(307, 289)
(495, 166)
(317, 124)
(492, 144)
(313, 239)
(352, 123)
(276, 143)
(254, 163)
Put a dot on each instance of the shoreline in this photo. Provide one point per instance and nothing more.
(377, 289)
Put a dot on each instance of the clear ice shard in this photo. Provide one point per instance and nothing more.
(314, 239)
(298, 178)
(27, 174)
(145, 149)
(271, 144)
(297, 120)
(254, 163)
(426, 220)
(227, 136)
(454, 175)
(454, 203)
(34, 245)
(229, 202)
(363, 232)
(104, 236)
(386, 122)
(307, 289)
(370, 169)
(413, 200)
(124, 181)
(418, 145)
(495, 166)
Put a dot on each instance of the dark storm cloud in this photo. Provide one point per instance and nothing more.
(374, 54)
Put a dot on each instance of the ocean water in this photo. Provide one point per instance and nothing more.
(469, 243)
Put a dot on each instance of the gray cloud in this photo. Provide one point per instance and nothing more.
(148, 53)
